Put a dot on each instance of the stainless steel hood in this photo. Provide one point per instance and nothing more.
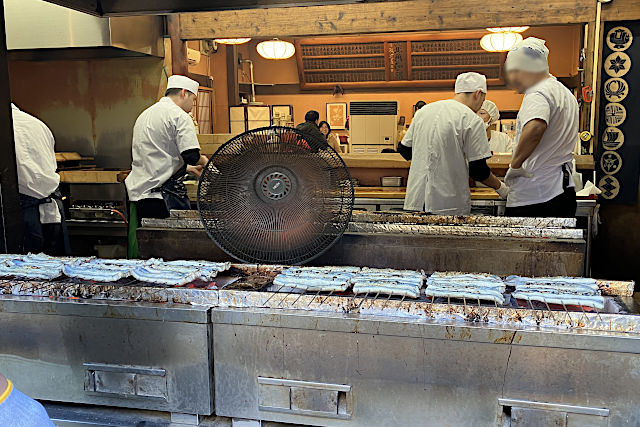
(39, 30)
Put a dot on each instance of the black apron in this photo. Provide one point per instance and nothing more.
(52, 239)
(174, 192)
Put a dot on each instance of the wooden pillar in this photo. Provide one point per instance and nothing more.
(233, 90)
(11, 224)
(179, 63)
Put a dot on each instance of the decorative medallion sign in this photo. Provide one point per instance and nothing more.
(614, 114)
(610, 162)
(609, 186)
(612, 138)
(615, 89)
(617, 64)
(619, 39)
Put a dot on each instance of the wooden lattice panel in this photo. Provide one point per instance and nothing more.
(394, 61)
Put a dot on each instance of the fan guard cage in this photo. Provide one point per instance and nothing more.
(272, 195)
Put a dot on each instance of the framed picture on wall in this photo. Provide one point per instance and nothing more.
(282, 111)
(337, 115)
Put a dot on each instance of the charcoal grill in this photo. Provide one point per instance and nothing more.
(318, 358)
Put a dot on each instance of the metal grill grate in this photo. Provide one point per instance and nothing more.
(274, 195)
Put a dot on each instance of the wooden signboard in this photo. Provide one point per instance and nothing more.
(394, 60)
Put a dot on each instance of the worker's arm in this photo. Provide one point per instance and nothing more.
(405, 146)
(405, 151)
(480, 171)
(529, 139)
(192, 157)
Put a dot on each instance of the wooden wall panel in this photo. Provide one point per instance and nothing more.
(384, 61)
(391, 16)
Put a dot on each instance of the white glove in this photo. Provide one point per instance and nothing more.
(503, 191)
(516, 173)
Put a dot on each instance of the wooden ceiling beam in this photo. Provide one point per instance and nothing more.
(388, 16)
(621, 10)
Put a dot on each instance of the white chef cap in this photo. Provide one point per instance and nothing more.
(531, 54)
(491, 108)
(182, 82)
(470, 82)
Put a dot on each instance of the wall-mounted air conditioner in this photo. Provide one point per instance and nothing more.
(373, 126)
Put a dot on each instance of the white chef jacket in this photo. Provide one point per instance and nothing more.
(500, 142)
(444, 136)
(36, 162)
(552, 102)
(160, 134)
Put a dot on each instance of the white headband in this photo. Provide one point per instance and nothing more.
(470, 82)
(182, 82)
(531, 55)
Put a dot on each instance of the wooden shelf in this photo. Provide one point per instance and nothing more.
(477, 193)
(341, 70)
(396, 161)
(92, 176)
(376, 161)
(436, 67)
(453, 52)
(355, 55)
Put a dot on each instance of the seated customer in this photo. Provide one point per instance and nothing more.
(315, 138)
(18, 409)
(332, 138)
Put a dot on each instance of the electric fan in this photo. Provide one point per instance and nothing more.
(275, 195)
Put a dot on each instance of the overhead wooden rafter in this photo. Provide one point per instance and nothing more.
(160, 7)
(621, 10)
(389, 16)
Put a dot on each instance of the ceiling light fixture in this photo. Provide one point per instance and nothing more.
(500, 42)
(508, 29)
(233, 41)
(276, 49)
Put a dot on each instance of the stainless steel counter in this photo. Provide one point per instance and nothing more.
(326, 360)
(136, 355)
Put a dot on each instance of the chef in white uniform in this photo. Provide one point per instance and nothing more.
(448, 144)
(546, 132)
(499, 142)
(164, 148)
(40, 200)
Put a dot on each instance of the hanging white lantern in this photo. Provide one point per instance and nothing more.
(233, 41)
(500, 42)
(507, 29)
(276, 49)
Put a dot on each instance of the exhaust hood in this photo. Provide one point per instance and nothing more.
(39, 30)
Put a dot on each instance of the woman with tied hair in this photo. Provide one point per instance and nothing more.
(499, 142)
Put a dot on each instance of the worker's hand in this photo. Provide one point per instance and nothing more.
(196, 170)
(516, 173)
(203, 160)
(503, 191)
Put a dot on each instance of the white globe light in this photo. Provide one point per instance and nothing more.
(508, 29)
(500, 42)
(233, 41)
(276, 49)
